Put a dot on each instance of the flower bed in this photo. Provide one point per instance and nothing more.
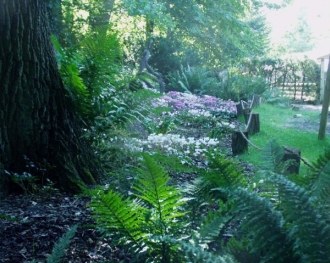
(196, 105)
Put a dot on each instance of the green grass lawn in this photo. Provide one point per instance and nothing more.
(274, 122)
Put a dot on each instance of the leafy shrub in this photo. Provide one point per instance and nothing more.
(276, 97)
(191, 80)
(242, 86)
(94, 77)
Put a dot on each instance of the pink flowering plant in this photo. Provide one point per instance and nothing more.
(179, 101)
(190, 110)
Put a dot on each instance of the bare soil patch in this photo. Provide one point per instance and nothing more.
(301, 120)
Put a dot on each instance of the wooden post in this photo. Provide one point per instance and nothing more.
(293, 155)
(239, 109)
(253, 125)
(239, 143)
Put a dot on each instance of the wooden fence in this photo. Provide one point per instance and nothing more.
(300, 91)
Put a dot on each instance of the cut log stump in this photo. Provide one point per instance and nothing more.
(253, 126)
(238, 143)
(291, 160)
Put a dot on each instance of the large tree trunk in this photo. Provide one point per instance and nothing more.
(36, 119)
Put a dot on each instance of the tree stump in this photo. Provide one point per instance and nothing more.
(291, 160)
(239, 144)
(253, 123)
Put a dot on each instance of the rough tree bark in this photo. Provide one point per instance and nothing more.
(36, 121)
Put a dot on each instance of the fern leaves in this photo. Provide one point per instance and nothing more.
(58, 251)
(114, 213)
(307, 227)
(319, 180)
(152, 213)
(272, 154)
(262, 224)
(289, 229)
(152, 187)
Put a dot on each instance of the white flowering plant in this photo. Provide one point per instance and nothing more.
(189, 150)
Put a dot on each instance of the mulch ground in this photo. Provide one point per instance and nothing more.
(30, 226)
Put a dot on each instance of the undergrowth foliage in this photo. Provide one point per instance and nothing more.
(289, 228)
(153, 212)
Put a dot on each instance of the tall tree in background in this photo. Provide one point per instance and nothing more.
(325, 107)
(300, 37)
(36, 119)
(209, 33)
(100, 12)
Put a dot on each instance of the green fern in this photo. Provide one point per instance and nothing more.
(152, 187)
(197, 254)
(73, 83)
(214, 223)
(58, 251)
(271, 156)
(122, 217)
(221, 172)
(101, 61)
(319, 179)
(242, 250)
(308, 228)
(290, 228)
(263, 226)
(224, 172)
(154, 212)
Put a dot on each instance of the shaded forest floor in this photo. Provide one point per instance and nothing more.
(30, 225)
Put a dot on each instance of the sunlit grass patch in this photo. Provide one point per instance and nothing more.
(274, 124)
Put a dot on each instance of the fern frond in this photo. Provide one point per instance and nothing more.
(222, 173)
(72, 80)
(262, 225)
(215, 222)
(241, 250)
(152, 188)
(319, 180)
(59, 248)
(308, 228)
(271, 156)
(197, 254)
(101, 51)
(123, 217)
